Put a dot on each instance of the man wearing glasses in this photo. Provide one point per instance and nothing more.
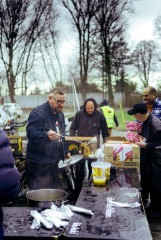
(46, 125)
(150, 97)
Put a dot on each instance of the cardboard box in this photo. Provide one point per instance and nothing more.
(123, 155)
(117, 152)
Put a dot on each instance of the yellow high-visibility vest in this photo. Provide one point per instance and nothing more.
(108, 112)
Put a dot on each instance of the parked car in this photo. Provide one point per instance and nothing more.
(13, 110)
(4, 118)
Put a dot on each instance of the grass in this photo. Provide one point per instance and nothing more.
(123, 118)
(22, 129)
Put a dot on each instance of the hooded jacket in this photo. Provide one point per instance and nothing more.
(9, 176)
(86, 125)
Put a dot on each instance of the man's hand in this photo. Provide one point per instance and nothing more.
(141, 144)
(105, 140)
(52, 135)
(68, 156)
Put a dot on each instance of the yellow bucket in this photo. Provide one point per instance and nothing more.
(99, 181)
(101, 169)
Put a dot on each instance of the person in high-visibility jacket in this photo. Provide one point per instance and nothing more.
(109, 114)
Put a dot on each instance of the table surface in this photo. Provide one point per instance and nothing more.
(110, 222)
(107, 223)
(17, 222)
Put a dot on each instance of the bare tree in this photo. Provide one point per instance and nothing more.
(82, 13)
(22, 23)
(126, 87)
(158, 25)
(46, 54)
(143, 59)
(111, 27)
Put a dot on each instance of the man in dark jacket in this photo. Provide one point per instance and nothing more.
(88, 122)
(46, 125)
(9, 176)
(150, 157)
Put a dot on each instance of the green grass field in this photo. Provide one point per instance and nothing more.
(123, 118)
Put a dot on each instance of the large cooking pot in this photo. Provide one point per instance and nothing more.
(43, 198)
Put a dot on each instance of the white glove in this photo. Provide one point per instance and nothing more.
(39, 219)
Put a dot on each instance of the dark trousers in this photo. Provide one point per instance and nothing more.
(155, 191)
(146, 181)
(150, 168)
(80, 173)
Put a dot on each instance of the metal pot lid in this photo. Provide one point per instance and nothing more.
(74, 159)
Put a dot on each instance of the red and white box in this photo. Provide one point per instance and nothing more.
(127, 152)
(123, 155)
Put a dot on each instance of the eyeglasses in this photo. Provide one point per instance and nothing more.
(59, 101)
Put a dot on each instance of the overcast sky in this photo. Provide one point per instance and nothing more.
(141, 24)
(141, 27)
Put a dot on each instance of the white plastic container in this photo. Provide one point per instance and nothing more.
(101, 169)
